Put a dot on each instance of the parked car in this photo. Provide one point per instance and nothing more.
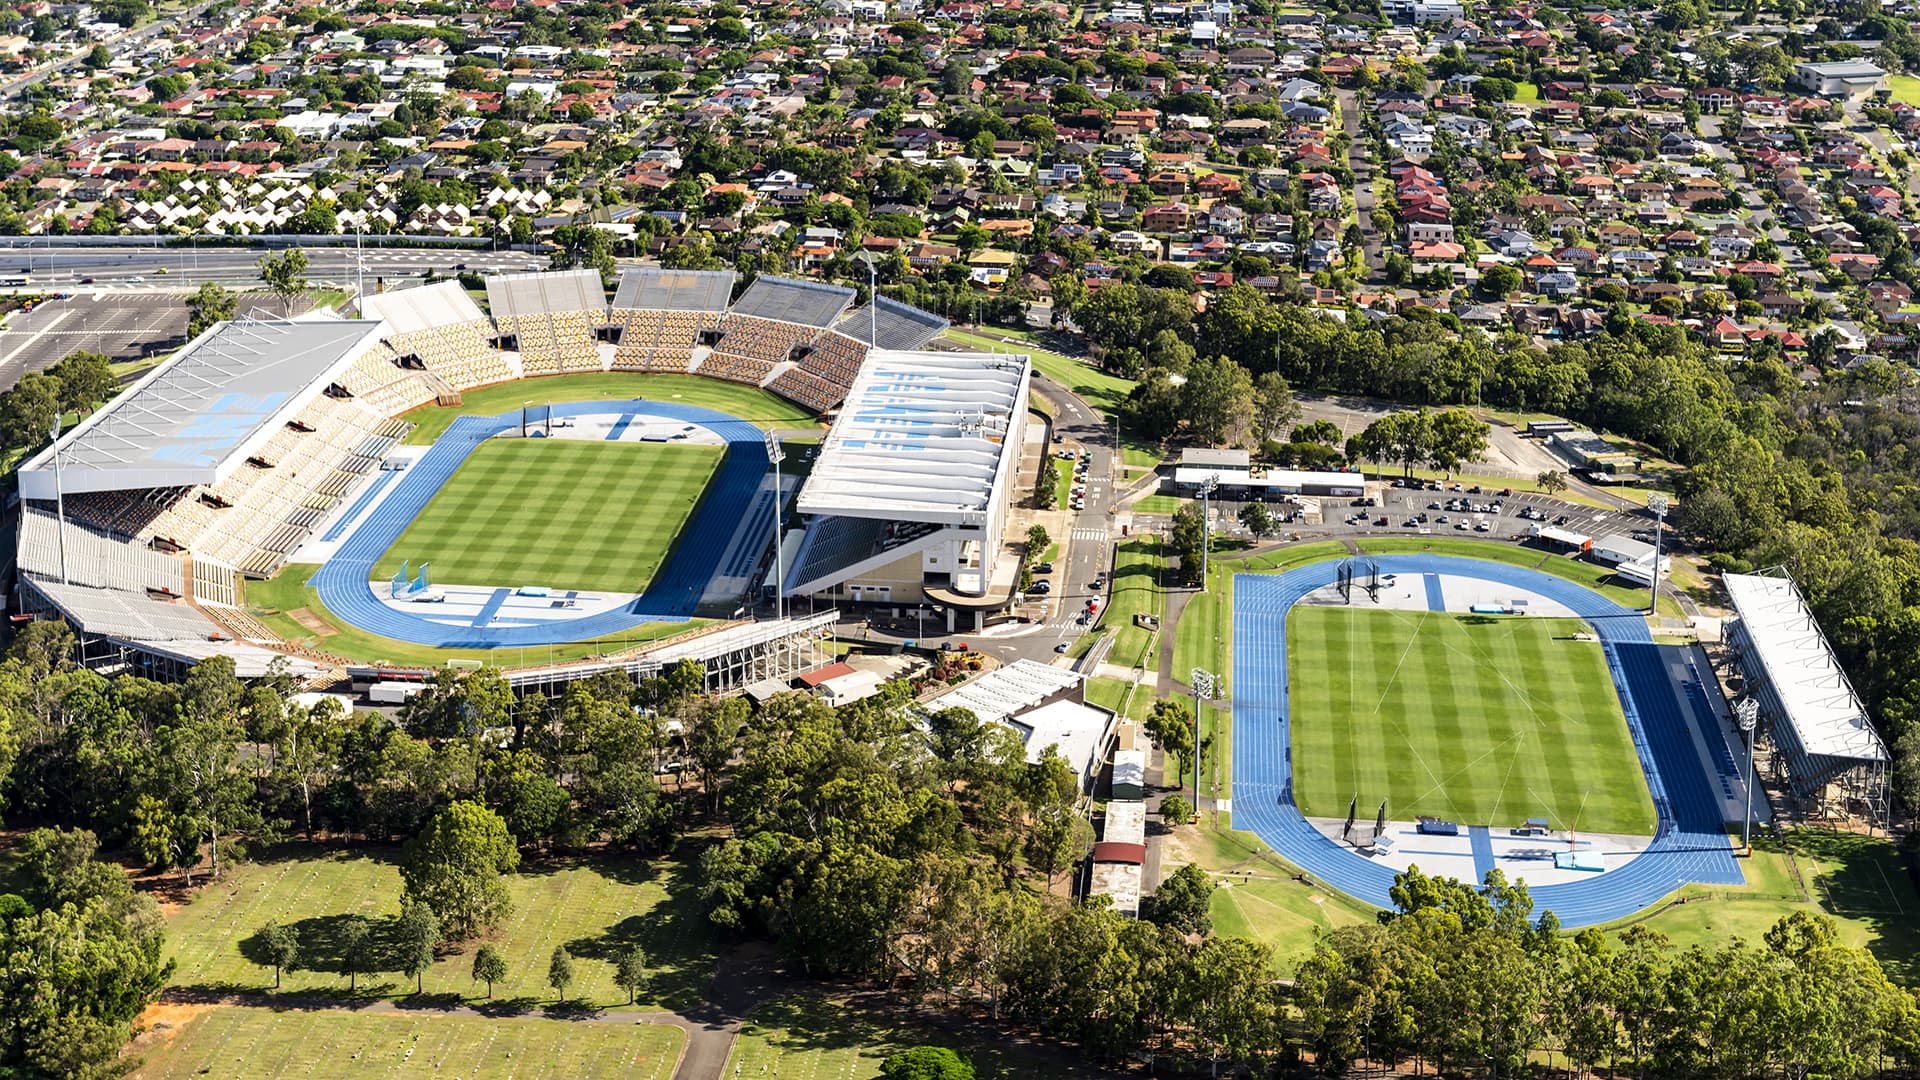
(1044, 568)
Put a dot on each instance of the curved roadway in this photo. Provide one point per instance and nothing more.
(1691, 845)
(345, 585)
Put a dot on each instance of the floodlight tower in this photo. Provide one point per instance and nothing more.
(59, 503)
(1207, 487)
(777, 455)
(1657, 503)
(1203, 688)
(1747, 715)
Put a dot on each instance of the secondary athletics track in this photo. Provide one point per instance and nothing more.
(1691, 844)
(344, 580)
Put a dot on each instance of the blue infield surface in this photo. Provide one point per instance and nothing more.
(1691, 845)
(671, 596)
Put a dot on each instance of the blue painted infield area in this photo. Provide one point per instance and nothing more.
(1691, 845)
(672, 596)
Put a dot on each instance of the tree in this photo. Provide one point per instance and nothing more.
(356, 949)
(86, 379)
(419, 934)
(1181, 901)
(1175, 810)
(1553, 481)
(630, 971)
(211, 304)
(926, 1063)
(1257, 519)
(285, 275)
(454, 867)
(1185, 541)
(489, 967)
(1170, 726)
(560, 971)
(1219, 401)
(280, 948)
(1456, 436)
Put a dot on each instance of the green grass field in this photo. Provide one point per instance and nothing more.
(592, 907)
(1905, 88)
(564, 513)
(807, 1038)
(1256, 895)
(1478, 719)
(749, 403)
(251, 1042)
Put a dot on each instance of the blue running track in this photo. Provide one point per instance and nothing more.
(1436, 597)
(360, 504)
(619, 427)
(1691, 845)
(492, 607)
(672, 596)
(1481, 840)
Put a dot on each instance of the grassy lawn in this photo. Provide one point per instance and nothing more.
(1159, 504)
(564, 513)
(1135, 590)
(590, 906)
(807, 1038)
(1257, 896)
(1598, 578)
(1112, 694)
(252, 1042)
(273, 601)
(1856, 879)
(1905, 88)
(1478, 719)
(749, 403)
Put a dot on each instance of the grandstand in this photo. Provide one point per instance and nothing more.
(908, 498)
(219, 463)
(1826, 752)
(662, 313)
(553, 320)
(890, 324)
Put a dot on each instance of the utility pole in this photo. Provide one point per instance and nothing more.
(1657, 502)
(1207, 487)
(776, 455)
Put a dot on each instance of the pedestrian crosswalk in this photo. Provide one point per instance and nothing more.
(1090, 534)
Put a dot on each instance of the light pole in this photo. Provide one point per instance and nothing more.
(1657, 503)
(1207, 487)
(776, 455)
(1203, 688)
(59, 502)
(1747, 715)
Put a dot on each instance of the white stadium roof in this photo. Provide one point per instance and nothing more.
(513, 295)
(921, 437)
(196, 415)
(1826, 716)
(1004, 691)
(407, 311)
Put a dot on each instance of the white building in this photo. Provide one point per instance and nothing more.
(1850, 79)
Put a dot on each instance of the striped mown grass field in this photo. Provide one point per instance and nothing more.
(563, 513)
(1478, 719)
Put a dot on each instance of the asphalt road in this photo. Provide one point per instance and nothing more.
(186, 267)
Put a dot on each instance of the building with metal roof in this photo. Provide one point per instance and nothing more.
(513, 296)
(650, 288)
(196, 417)
(792, 300)
(890, 324)
(428, 307)
(1046, 706)
(908, 498)
(1827, 751)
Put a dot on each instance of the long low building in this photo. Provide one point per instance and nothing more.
(1047, 707)
(1229, 482)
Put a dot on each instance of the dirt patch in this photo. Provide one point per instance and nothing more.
(314, 623)
(159, 1024)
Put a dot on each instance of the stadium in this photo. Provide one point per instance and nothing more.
(558, 484)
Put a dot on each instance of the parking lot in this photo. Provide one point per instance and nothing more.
(1398, 511)
(122, 325)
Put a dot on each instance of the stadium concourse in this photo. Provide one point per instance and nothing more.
(1691, 844)
(139, 525)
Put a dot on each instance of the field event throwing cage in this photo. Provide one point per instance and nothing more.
(1364, 573)
(402, 587)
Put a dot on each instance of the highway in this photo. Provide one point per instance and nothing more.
(188, 267)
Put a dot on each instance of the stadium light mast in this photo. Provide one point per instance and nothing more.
(1747, 715)
(59, 503)
(1203, 688)
(1207, 487)
(1656, 502)
(873, 309)
(776, 455)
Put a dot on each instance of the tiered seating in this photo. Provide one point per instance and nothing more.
(763, 339)
(742, 369)
(377, 379)
(659, 340)
(123, 513)
(556, 342)
(458, 353)
(638, 331)
(807, 389)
